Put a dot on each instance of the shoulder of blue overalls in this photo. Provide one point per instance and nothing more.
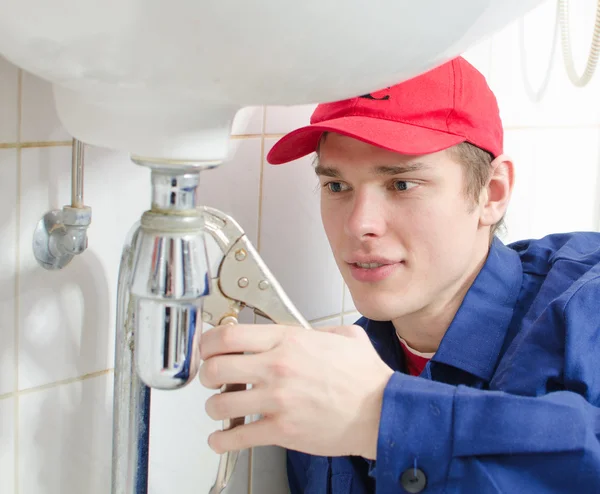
(539, 256)
(558, 337)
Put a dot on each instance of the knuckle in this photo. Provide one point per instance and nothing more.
(281, 367)
(238, 437)
(216, 407)
(209, 372)
(228, 336)
(285, 427)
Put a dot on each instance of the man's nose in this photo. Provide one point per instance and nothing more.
(366, 217)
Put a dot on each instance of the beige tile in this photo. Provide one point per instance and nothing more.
(293, 242)
(7, 445)
(67, 317)
(65, 436)
(40, 122)
(8, 246)
(8, 101)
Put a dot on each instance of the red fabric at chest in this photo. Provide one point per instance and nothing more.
(414, 363)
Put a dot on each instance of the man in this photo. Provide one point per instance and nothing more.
(475, 368)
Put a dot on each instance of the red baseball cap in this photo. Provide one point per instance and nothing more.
(428, 113)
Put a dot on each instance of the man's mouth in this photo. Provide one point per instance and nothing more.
(368, 265)
(372, 270)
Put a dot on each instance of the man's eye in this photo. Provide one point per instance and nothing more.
(335, 187)
(403, 185)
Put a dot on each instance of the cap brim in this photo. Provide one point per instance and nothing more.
(394, 136)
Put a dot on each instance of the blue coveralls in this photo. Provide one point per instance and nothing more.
(509, 403)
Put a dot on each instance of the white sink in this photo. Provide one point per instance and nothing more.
(165, 79)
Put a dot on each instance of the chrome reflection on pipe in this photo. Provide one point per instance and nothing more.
(131, 405)
(163, 278)
(170, 279)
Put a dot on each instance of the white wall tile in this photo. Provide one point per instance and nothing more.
(180, 458)
(248, 121)
(563, 103)
(480, 56)
(293, 242)
(233, 187)
(65, 437)
(8, 245)
(40, 122)
(7, 445)
(348, 302)
(521, 146)
(350, 318)
(566, 181)
(334, 320)
(8, 101)
(67, 317)
(283, 119)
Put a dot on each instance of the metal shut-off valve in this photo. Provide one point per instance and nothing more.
(61, 234)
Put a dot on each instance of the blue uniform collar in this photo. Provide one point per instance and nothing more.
(475, 337)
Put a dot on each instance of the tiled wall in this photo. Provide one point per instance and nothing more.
(57, 328)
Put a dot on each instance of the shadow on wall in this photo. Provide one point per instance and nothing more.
(66, 432)
(65, 321)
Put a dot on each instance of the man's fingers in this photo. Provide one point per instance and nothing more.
(231, 369)
(233, 404)
(240, 338)
(259, 433)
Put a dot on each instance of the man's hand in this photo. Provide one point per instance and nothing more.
(318, 391)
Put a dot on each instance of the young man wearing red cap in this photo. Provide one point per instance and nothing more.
(475, 367)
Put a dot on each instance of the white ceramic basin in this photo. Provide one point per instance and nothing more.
(165, 79)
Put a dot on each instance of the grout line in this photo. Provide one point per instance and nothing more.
(17, 280)
(71, 380)
(32, 144)
(341, 314)
(250, 464)
(42, 144)
(258, 234)
(6, 396)
(245, 136)
(261, 181)
(343, 302)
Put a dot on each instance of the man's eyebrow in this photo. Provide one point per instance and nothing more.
(400, 169)
(329, 171)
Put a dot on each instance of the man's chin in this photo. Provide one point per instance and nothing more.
(376, 311)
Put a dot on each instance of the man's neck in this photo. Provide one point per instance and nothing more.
(424, 330)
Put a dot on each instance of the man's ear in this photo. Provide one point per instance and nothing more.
(498, 191)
